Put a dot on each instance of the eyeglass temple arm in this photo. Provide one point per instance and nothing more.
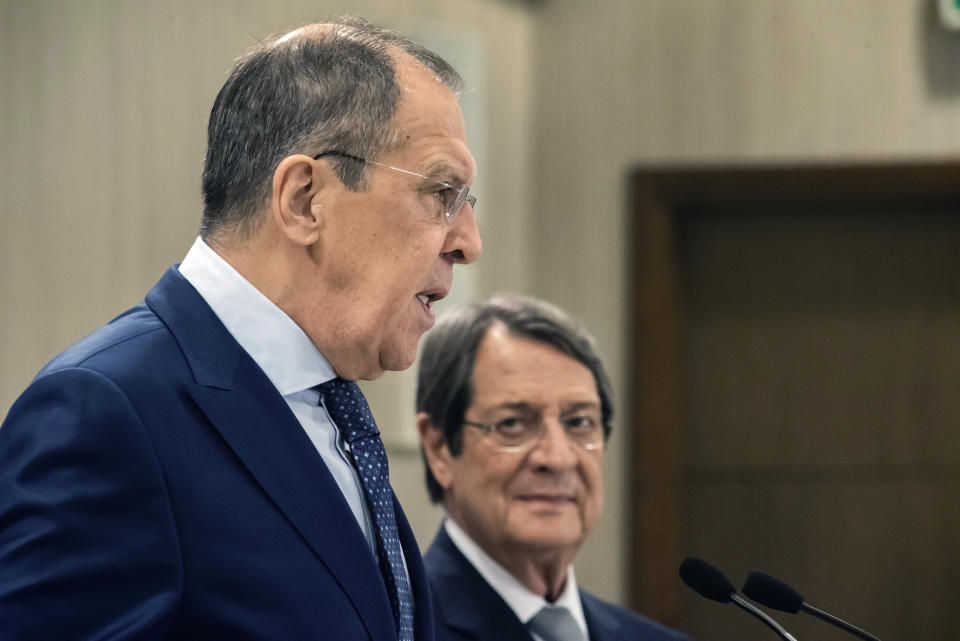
(343, 154)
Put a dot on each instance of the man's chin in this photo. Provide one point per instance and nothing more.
(548, 536)
(399, 358)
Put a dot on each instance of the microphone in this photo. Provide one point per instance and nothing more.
(709, 582)
(774, 593)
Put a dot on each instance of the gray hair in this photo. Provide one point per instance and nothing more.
(332, 87)
(444, 380)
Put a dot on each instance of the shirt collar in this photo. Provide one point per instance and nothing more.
(521, 600)
(282, 350)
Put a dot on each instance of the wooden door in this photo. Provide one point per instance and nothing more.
(795, 399)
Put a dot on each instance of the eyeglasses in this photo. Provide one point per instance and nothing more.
(519, 433)
(451, 197)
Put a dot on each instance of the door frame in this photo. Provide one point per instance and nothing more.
(658, 196)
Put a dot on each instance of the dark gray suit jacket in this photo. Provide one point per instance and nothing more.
(468, 608)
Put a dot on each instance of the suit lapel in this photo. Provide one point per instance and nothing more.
(601, 625)
(255, 421)
(467, 603)
(424, 623)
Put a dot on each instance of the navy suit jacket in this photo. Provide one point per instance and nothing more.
(155, 485)
(469, 609)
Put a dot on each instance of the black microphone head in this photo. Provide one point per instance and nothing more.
(772, 592)
(706, 580)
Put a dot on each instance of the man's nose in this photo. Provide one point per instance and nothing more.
(465, 244)
(554, 449)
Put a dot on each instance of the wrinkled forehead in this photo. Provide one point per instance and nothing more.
(429, 124)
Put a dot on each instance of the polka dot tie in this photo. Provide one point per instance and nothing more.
(349, 410)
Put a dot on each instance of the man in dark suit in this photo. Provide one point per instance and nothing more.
(190, 470)
(514, 411)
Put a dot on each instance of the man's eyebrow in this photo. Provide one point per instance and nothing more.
(445, 172)
(517, 405)
(566, 407)
(581, 405)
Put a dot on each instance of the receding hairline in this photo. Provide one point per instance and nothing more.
(331, 30)
(402, 61)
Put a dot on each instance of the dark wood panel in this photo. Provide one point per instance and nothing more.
(881, 554)
(819, 337)
(797, 368)
(911, 182)
(656, 466)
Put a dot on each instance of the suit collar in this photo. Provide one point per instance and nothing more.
(524, 602)
(600, 622)
(278, 345)
(211, 352)
(251, 416)
(466, 602)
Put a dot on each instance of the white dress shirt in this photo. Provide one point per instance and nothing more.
(286, 355)
(521, 600)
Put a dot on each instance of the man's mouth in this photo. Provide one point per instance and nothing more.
(427, 299)
(548, 497)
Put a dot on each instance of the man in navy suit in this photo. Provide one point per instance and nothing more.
(514, 411)
(176, 474)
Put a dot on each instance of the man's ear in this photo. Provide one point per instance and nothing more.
(435, 450)
(296, 206)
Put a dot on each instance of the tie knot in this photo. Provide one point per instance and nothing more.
(556, 623)
(348, 409)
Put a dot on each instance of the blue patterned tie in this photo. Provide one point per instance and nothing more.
(349, 410)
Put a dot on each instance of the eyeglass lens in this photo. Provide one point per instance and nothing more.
(460, 196)
(515, 434)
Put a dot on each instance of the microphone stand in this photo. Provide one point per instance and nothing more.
(763, 616)
(840, 623)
